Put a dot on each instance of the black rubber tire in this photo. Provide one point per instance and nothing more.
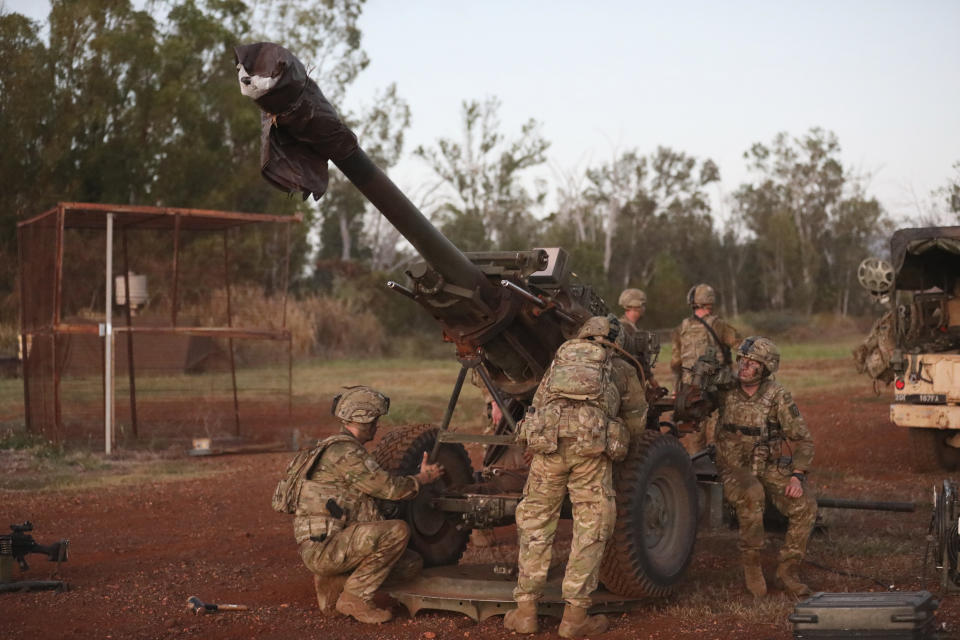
(436, 536)
(931, 451)
(645, 558)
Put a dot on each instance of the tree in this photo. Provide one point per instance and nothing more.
(124, 106)
(949, 194)
(380, 129)
(801, 179)
(652, 205)
(25, 85)
(856, 222)
(486, 203)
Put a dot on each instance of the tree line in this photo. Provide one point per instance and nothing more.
(107, 103)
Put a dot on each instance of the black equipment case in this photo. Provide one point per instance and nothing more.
(886, 615)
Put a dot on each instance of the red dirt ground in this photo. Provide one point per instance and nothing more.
(139, 550)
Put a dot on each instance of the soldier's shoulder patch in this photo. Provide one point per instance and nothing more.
(794, 410)
(371, 464)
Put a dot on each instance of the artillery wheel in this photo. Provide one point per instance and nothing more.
(656, 525)
(931, 451)
(433, 534)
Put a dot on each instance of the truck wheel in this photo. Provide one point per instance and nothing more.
(433, 534)
(931, 451)
(656, 525)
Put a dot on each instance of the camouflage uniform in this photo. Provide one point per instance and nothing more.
(588, 480)
(690, 341)
(752, 465)
(361, 541)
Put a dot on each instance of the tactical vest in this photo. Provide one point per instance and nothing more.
(751, 421)
(752, 417)
(323, 484)
(578, 400)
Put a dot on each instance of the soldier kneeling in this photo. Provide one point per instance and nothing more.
(337, 524)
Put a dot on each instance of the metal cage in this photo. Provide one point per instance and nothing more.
(67, 269)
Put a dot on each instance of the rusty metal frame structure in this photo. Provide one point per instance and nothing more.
(77, 215)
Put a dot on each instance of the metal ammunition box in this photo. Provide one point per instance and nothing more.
(887, 615)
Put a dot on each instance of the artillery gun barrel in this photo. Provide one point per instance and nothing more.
(435, 248)
(870, 505)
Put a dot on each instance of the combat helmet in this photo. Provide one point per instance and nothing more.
(360, 404)
(762, 350)
(607, 327)
(701, 294)
(632, 298)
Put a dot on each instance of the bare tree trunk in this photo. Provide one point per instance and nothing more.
(344, 238)
(732, 275)
(608, 240)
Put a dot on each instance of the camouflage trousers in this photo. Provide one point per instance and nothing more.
(705, 434)
(370, 551)
(748, 493)
(589, 482)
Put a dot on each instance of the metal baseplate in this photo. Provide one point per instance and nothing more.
(480, 591)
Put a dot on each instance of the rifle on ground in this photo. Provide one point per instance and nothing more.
(18, 544)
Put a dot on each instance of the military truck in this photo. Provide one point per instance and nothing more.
(506, 313)
(915, 345)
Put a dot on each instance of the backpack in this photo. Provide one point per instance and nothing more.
(580, 370)
(286, 496)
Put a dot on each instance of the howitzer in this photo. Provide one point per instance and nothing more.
(506, 312)
(20, 543)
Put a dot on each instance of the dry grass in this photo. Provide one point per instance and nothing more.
(9, 339)
(703, 602)
(320, 326)
(418, 389)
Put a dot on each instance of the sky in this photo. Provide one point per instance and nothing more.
(706, 78)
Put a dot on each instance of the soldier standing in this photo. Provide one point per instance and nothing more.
(691, 339)
(337, 524)
(580, 422)
(764, 450)
(645, 344)
(634, 305)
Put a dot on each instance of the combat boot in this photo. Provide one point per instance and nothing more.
(351, 605)
(788, 574)
(753, 574)
(577, 624)
(329, 589)
(523, 619)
